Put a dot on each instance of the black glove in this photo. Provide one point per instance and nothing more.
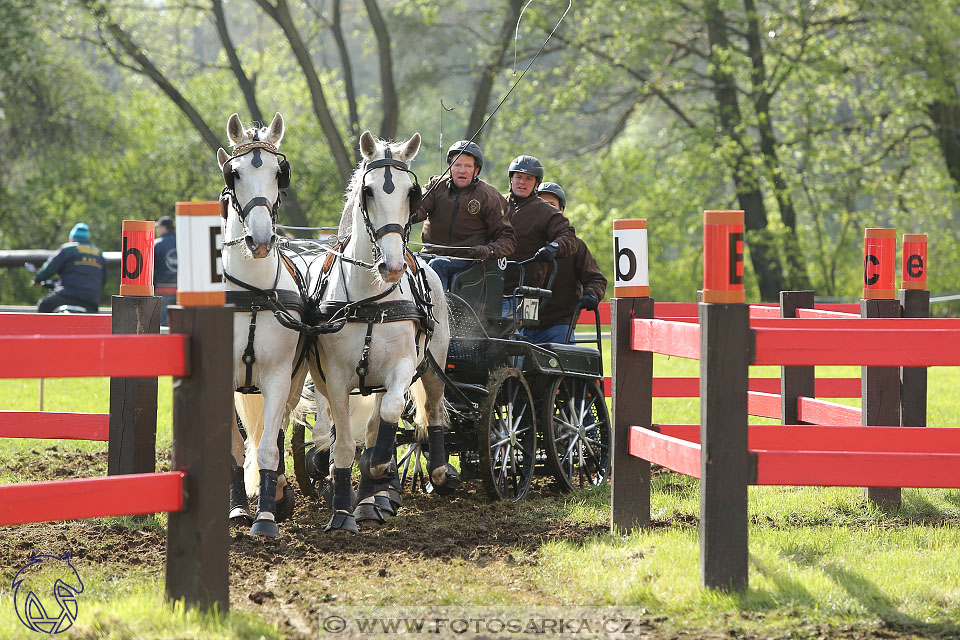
(547, 253)
(481, 252)
(589, 302)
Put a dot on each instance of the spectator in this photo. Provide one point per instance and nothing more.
(81, 269)
(463, 215)
(165, 265)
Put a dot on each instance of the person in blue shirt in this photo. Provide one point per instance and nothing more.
(165, 265)
(82, 271)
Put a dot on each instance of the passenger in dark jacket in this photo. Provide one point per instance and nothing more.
(542, 231)
(463, 215)
(82, 271)
(578, 281)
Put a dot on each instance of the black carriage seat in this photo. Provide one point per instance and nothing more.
(481, 287)
(568, 359)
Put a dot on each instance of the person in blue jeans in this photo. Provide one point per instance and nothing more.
(81, 269)
(165, 265)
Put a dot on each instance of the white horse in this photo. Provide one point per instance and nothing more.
(259, 281)
(377, 285)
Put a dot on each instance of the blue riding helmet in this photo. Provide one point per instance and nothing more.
(80, 232)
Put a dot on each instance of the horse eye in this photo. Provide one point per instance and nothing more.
(368, 192)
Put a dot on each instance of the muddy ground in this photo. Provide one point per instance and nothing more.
(304, 577)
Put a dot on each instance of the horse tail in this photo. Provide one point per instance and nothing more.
(250, 410)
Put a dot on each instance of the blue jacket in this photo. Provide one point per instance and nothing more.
(165, 260)
(82, 271)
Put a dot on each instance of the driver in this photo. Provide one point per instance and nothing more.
(82, 271)
(463, 215)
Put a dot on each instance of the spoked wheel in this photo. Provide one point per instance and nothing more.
(577, 433)
(507, 436)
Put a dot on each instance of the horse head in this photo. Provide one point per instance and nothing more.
(387, 193)
(254, 175)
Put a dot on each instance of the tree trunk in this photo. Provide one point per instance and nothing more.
(945, 116)
(281, 15)
(763, 253)
(484, 85)
(391, 105)
(797, 277)
(347, 67)
(247, 86)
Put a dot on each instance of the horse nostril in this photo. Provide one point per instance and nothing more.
(384, 270)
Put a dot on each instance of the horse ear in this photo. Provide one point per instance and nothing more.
(275, 132)
(235, 129)
(368, 146)
(410, 149)
(222, 157)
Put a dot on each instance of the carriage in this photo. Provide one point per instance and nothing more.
(517, 409)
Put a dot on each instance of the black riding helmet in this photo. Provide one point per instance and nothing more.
(526, 164)
(467, 148)
(554, 188)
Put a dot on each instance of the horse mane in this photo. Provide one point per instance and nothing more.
(352, 193)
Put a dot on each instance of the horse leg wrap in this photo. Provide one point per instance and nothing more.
(265, 524)
(381, 453)
(342, 519)
(438, 460)
(239, 506)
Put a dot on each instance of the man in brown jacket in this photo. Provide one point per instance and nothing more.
(463, 215)
(579, 281)
(542, 231)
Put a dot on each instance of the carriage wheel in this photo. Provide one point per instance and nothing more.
(507, 436)
(576, 428)
(310, 474)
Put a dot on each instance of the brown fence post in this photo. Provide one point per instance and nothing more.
(725, 353)
(133, 401)
(795, 381)
(880, 386)
(632, 383)
(880, 395)
(198, 538)
(726, 350)
(915, 303)
(632, 376)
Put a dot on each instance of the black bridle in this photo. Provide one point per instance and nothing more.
(387, 163)
(229, 178)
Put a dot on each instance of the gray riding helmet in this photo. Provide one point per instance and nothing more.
(554, 188)
(526, 164)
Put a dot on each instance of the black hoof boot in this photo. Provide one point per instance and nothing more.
(342, 519)
(265, 525)
(287, 503)
(239, 506)
(369, 513)
(438, 459)
(317, 465)
(372, 502)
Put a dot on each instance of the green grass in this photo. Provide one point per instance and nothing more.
(820, 558)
